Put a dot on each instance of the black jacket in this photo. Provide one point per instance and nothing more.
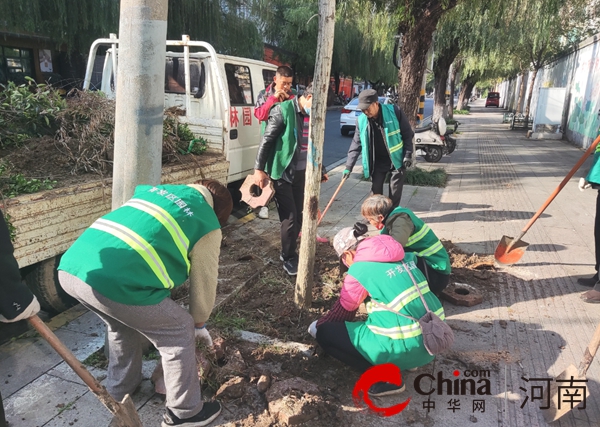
(407, 139)
(273, 130)
(14, 295)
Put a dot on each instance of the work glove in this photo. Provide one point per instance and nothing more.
(30, 310)
(345, 174)
(583, 184)
(202, 336)
(407, 162)
(312, 329)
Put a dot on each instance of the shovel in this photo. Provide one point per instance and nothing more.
(574, 378)
(125, 414)
(331, 201)
(509, 250)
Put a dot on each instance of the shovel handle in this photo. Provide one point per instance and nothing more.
(590, 352)
(97, 388)
(331, 201)
(541, 210)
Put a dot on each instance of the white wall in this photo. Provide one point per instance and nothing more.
(579, 73)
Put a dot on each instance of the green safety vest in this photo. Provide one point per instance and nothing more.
(286, 143)
(594, 174)
(393, 138)
(386, 337)
(424, 243)
(137, 253)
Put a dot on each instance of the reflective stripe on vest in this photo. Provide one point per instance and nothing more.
(170, 224)
(403, 332)
(401, 300)
(418, 236)
(138, 244)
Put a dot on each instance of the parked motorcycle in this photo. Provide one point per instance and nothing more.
(435, 140)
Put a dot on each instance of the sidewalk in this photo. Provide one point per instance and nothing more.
(534, 326)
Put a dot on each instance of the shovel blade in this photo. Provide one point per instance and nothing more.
(503, 256)
(126, 415)
(560, 403)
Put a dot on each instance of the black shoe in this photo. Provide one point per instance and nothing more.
(291, 266)
(385, 389)
(210, 411)
(588, 282)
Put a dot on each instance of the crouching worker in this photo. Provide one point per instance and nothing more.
(123, 268)
(415, 237)
(379, 269)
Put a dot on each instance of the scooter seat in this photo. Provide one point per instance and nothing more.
(426, 128)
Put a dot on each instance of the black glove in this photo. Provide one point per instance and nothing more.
(407, 162)
(360, 229)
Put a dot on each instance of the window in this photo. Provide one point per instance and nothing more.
(268, 76)
(175, 76)
(15, 64)
(239, 84)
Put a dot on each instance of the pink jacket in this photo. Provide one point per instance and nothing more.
(380, 248)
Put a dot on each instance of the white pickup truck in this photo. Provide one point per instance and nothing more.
(216, 95)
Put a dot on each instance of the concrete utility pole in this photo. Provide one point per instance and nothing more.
(140, 96)
(304, 282)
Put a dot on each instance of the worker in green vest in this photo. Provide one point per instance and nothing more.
(123, 268)
(414, 235)
(380, 269)
(281, 158)
(384, 138)
(592, 179)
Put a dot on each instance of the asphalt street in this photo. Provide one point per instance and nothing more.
(336, 145)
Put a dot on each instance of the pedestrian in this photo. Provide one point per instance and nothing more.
(379, 269)
(123, 268)
(414, 235)
(278, 91)
(592, 180)
(281, 157)
(385, 139)
(16, 300)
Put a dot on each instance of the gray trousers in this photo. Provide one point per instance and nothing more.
(166, 325)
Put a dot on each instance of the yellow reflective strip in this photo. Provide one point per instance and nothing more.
(170, 224)
(394, 132)
(431, 250)
(138, 244)
(399, 302)
(418, 236)
(398, 332)
(396, 147)
(440, 313)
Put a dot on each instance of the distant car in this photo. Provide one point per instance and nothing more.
(493, 99)
(350, 112)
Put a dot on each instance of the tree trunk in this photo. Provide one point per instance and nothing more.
(416, 43)
(453, 78)
(530, 95)
(465, 92)
(521, 93)
(304, 282)
(441, 68)
(414, 57)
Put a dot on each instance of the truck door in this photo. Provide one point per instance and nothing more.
(242, 149)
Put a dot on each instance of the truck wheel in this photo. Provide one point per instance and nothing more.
(43, 282)
(433, 154)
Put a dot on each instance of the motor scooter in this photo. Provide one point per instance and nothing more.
(434, 139)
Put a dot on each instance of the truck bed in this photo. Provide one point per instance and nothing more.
(48, 222)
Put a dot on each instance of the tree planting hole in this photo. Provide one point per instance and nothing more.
(461, 291)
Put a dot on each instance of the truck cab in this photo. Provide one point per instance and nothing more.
(213, 93)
